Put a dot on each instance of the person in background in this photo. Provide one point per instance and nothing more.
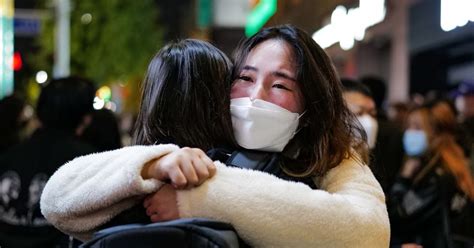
(434, 170)
(103, 132)
(464, 102)
(398, 113)
(11, 113)
(62, 109)
(384, 138)
(378, 88)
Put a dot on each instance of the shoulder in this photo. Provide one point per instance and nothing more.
(351, 171)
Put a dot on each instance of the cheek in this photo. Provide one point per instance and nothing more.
(238, 90)
(290, 102)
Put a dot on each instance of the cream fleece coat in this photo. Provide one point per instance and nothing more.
(266, 211)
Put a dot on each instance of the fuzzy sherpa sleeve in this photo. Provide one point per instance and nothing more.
(349, 211)
(90, 190)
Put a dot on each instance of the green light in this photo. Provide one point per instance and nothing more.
(204, 13)
(259, 16)
(104, 93)
(6, 47)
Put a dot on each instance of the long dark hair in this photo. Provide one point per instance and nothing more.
(185, 97)
(328, 130)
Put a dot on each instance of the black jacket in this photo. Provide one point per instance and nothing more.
(24, 171)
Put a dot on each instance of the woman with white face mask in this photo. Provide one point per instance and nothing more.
(286, 98)
(434, 171)
(383, 137)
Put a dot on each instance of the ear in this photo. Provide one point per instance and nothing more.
(86, 121)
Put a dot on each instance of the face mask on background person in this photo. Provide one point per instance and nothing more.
(262, 125)
(415, 142)
(371, 128)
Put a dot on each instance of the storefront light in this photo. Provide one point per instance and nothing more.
(456, 13)
(348, 26)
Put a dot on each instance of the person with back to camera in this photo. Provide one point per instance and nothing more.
(62, 109)
(301, 87)
(103, 131)
(12, 109)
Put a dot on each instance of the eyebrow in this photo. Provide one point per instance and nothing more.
(275, 73)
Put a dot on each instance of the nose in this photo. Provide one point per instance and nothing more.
(258, 92)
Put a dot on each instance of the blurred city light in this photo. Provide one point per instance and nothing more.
(98, 103)
(104, 93)
(111, 106)
(348, 26)
(41, 77)
(6, 47)
(259, 16)
(456, 13)
(17, 61)
(86, 18)
(62, 38)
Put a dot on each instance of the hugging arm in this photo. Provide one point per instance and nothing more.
(266, 211)
(90, 190)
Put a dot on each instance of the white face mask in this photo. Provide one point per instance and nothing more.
(371, 127)
(261, 125)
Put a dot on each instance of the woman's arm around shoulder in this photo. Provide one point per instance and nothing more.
(348, 211)
(90, 190)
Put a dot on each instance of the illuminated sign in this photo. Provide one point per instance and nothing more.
(349, 25)
(260, 15)
(456, 13)
(6, 47)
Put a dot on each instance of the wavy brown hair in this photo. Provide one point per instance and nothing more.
(439, 123)
(328, 132)
(444, 126)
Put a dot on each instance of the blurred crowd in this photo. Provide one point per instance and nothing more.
(34, 144)
(421, 153)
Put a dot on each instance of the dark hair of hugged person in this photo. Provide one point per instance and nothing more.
(185, 97)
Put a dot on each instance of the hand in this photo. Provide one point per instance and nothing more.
(184, 168)
(162, 205)
(410, 167)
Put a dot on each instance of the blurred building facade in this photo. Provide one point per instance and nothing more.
(408, 48)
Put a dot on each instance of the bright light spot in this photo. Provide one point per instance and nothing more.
(469, 8)
(325, 37)
(104, 93)
(355, 23)
(86, 18)
(338, 14)
(456, 13)
(28, 112)
(349, 25)
(41, 77)
(347, 44)
(111, 105)
(98, 103)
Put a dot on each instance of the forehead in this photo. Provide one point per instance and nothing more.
(273, 52)
(359, 99)
(416, 118)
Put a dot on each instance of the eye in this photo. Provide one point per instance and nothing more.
(281, 86)
(244, 78)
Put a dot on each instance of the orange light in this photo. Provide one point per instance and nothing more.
(17, 61)
(253, 3)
